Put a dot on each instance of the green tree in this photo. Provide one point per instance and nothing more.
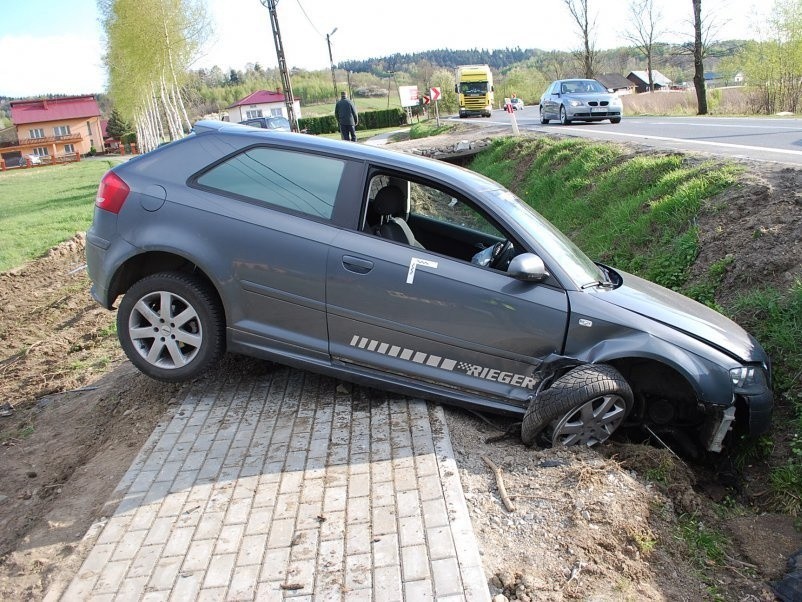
(117, 127)
(444, 79)
(149, 47)
(773, 67)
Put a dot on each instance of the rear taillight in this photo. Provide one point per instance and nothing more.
(112, 193)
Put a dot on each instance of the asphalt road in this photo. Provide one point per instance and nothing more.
(772, 139)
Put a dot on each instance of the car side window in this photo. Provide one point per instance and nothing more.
(440, 206)
(431, 217)
(292, 180)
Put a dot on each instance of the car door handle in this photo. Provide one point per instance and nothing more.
(357, 265)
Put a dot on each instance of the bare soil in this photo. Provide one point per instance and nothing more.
(587, 524)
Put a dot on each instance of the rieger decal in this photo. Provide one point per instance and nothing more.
(414, 263)
(444, 363)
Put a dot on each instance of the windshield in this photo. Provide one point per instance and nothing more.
(473, 87)
(582, 86)
(579, 266)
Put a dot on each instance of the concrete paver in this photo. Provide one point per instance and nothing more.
(287, 486)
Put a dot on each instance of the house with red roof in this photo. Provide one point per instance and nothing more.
(262, 103)
(53, 128)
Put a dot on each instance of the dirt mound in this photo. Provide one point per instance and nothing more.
(754, 231)
(587, 525)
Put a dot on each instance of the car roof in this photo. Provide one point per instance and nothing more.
(389, 158)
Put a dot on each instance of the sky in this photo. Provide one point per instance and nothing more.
(56, 46)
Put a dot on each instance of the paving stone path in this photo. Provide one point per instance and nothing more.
(288, 486)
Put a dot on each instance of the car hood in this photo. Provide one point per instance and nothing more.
(590, 97)
(677, 311)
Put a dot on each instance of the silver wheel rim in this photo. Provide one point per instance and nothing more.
(591, 423)
(563, 116)
(165, 330)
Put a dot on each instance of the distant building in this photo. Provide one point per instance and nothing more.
(641, 80)
(262, 103)
(617, 83)
(714, 79)
(54, 127)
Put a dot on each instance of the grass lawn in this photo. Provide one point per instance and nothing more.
(42, 207)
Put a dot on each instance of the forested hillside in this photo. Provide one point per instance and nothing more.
(524, 72)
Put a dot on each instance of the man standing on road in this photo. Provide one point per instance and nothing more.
(347, 117)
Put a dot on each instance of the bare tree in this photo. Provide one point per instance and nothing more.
(705, 30)
(586, 25)
(645, 21)
(698, 59)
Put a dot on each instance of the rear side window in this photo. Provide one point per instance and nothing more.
(296, 181)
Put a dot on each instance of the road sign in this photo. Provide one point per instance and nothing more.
(434, 93)
(426, 99)
(409, 95)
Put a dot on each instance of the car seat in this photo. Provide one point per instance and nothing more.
(390, 204)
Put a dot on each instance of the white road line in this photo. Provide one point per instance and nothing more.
(764, 149)
(725, 125)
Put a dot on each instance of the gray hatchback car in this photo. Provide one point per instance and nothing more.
(407, 274)
(570, 100)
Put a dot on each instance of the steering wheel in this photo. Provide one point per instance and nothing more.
(501, 254)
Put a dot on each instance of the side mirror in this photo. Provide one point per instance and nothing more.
(456, 88)
(528, 267)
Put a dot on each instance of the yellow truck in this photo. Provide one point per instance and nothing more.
(474, 88)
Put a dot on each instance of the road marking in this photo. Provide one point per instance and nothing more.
(724, 125)
(745, 147)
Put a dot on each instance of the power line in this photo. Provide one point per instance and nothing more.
(310, 20)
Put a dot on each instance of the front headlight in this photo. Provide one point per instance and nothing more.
(748, 379)
(575, 103)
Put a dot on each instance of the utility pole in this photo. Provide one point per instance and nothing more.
(289, 98)
(331, 60)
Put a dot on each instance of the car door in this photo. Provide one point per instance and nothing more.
(552, 101)
(269, 214)
(437, 318)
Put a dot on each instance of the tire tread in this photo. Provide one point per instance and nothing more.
(570, 390)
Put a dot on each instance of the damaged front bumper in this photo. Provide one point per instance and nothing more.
(757, 410)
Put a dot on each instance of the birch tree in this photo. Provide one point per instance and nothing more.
(150, 45)
(773, 66)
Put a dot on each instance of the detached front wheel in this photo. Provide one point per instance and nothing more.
(171, 326)
(583, 407)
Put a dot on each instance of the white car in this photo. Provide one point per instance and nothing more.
(517, 104)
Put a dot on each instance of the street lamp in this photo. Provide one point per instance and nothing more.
(331, 60)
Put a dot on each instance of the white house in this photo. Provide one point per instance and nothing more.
(262, 103)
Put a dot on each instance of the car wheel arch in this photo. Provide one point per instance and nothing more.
(142, 265)
(707, 381)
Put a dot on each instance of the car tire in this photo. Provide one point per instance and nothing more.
(564, 117)
(160, 346)
(583, 407)
(615, 120)
(543, 119)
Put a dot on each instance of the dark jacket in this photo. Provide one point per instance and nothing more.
(345, 112)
